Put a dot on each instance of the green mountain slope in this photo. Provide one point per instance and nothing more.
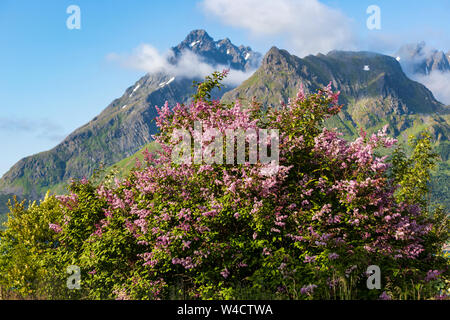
(119, 131)
(374, 90)
(124, 166)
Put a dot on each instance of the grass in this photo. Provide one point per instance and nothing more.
(126, 165)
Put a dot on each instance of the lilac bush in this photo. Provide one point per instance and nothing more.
(306, 227)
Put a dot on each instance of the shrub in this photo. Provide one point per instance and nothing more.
(306, 227)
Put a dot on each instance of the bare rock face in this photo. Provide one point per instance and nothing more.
(221, 52)
(421, 59)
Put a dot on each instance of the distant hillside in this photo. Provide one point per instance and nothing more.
(124, 166)
(421, 59)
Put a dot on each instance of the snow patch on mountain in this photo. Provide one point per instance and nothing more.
(163, 84)
(134, 90)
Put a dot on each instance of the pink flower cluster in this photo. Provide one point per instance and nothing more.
(326, 195)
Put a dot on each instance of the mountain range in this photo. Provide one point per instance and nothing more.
(374, 89)
(124, 126)
(418, 58)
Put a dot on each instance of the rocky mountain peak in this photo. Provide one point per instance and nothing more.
(225, 41)
(199, 35)
(222, 52)
(195, 39)
(276, 57)
(421, 59)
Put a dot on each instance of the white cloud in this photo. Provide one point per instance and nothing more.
(308, 26)
(412, 56)
(438, 82)
(189, 65)
(43, 128)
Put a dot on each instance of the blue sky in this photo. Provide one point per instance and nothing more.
(53, 80)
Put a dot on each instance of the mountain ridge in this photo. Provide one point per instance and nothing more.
(123, 127)
(385, 78)
(374, 91)
(418, 58)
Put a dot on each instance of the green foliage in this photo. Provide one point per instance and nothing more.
(413, 174)
(24, 245)
(114, 230)
(211, 82)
